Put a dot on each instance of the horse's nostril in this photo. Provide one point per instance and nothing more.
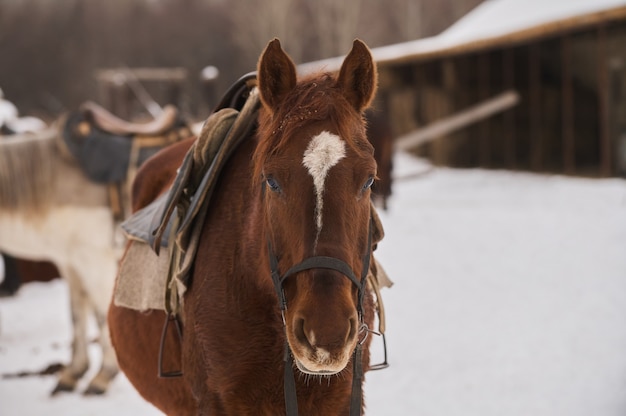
(300, 333)
(327, 338)
(354, 326)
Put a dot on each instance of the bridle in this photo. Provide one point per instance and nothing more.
(332, 263)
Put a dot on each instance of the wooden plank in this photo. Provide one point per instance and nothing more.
(458, 121)
(144, 74)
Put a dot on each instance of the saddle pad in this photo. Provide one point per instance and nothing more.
(142, 278)
(144, 270)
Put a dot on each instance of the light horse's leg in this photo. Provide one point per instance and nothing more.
(109, 368)
(79, 307)
(96, 264)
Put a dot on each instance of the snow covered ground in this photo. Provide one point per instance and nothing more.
(509, 299)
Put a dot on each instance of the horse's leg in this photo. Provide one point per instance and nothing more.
(12, 280)
(109, 368)
(79, 309)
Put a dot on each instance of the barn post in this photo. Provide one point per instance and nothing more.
(603, 102)
(509, 116)
(485, 158)
(534, 68)
(567, 107)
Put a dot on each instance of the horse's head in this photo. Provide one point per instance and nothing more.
(316, 166)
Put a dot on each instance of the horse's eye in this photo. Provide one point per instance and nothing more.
(272, 184)
(368, 184)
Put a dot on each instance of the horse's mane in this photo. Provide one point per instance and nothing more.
(27, 173)
(315, 98)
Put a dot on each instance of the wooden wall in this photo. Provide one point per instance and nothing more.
(571, 117)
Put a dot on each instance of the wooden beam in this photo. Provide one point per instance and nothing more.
(508, 69)
(144, 74)
(484, 148)
(603, 102)
(534, 76)
(567, 107)
(458, 121)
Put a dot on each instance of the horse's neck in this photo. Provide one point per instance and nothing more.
(74, 188)
(244, 199)
(256, 239)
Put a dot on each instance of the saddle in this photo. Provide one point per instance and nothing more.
(109, 122)
(109, 150)
(164, 234)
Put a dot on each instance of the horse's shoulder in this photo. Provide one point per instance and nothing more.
(157, 173)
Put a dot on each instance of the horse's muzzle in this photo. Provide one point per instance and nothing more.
(325, 348)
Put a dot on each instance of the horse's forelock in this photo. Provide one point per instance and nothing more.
(314, 99)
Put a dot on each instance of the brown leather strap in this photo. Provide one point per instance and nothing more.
(115, 201)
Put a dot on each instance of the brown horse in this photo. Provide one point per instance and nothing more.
(300, 186)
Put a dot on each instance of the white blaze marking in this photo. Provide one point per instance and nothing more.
(324, 151)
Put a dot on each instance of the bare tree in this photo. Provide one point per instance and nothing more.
(407, 18)
(335, 24)
(50, 50)
(255, 24)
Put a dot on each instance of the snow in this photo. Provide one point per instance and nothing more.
(509, 299)
(9, 117)
(8, 111)
(500, 17)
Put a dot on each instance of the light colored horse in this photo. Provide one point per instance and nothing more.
(50, 211)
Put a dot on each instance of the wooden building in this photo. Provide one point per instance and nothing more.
(565, 60)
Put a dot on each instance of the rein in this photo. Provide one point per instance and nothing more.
(332, 263)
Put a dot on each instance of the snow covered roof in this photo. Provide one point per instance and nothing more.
(494, 22)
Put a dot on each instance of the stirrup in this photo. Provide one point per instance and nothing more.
(384, 364)
(175, 373)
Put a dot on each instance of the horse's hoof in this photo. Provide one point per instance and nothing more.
(94, 391)
(62, 387)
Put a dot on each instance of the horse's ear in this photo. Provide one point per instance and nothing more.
(358, 77)
(276, 75)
